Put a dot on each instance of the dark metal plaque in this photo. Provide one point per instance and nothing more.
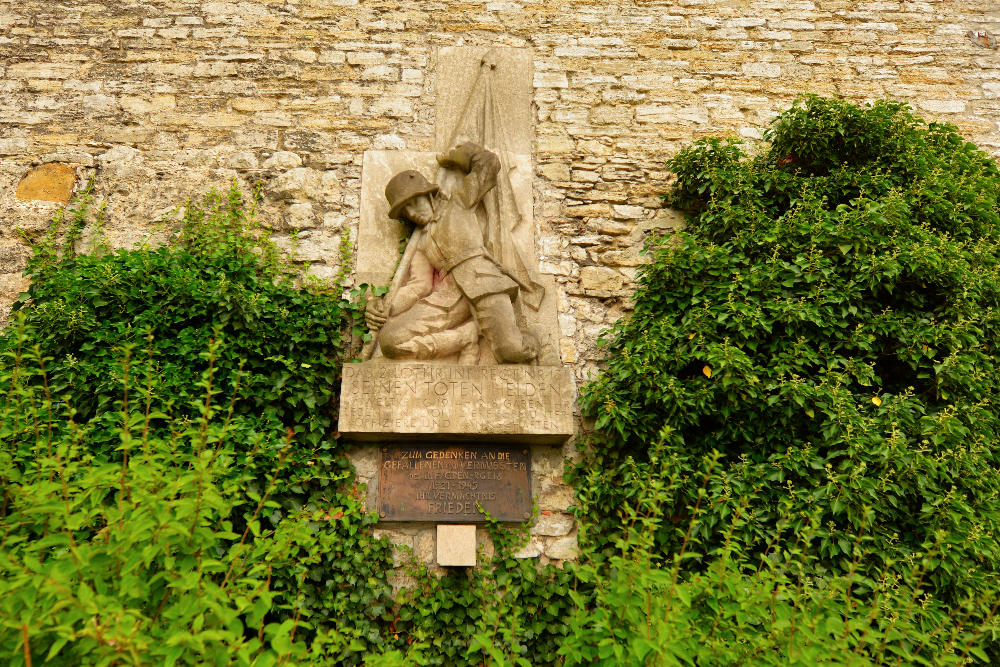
(445, 483)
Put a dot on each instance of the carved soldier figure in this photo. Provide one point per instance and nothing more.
(454, 289)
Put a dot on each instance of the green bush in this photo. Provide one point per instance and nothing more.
(161, 556)
(746, 609)
(829, 324)
(209, 329)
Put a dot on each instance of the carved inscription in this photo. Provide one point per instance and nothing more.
(450, 483)
(471, 401)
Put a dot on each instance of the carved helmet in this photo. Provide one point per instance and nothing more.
(403, 187)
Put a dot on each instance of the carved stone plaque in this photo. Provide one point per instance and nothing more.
(445, 483)
(529, 404)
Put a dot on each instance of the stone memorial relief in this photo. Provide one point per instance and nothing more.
(461, 377)
(464, 341)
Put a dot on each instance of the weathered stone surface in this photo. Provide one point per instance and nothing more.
(49, 182)
(553, 524)
(458, 68)
(413, 400)
(456, 545)
(531, 549)
(563, 548)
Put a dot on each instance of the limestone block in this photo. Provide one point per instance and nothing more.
(531, 549)
(555, 172)
(600, 278)
(298, 183)
(118, 154)
(312, 245)
(14, 256)
(379, 73)
(50, 182)
(140, 105)
(563, 548)
(942, 106)
(365, 461)
(424, 544)
(554, 495)
(623, 212)
(283, 160)
(42, 70)
(14, 145)
(456, 545)
(628, 257)
(323, 272)
(553, 524)
(587, 210)
(243, 161)
(553, 79)
(613, 227)
(301, 216)
(527, 404)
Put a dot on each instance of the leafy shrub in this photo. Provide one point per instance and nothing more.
(210, 329)
(139, 560)
(743, 609)
(507, 611)
(829, 324)
(168, 456)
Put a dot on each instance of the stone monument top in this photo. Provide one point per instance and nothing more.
(464, 341)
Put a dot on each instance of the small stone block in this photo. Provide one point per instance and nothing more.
(50, 182)
(456, 545)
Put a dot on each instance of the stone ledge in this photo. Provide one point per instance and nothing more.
(417, 401)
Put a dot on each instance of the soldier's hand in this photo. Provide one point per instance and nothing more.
(459, 157)
(376, 313)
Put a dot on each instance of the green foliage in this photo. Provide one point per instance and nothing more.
(280, 348)
(161, 556)
(743, 609)
(829, 323)
(167, 456)
(209, 330)
(507, 611)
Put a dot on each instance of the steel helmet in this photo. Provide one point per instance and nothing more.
(403, 187)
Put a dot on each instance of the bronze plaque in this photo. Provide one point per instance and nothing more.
(447, 483)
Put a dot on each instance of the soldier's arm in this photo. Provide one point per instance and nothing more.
(481, 168)
(419, 284)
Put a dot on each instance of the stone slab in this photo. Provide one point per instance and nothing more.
(456, 72)
(456, 545)
(411, 400)
(454, 483)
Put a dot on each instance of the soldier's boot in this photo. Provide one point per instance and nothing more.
(463, 341)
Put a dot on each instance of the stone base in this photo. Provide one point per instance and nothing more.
(408, 401)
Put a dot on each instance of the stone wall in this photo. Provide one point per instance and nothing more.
(158, 100)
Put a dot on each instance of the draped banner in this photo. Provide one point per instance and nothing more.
(501, 213)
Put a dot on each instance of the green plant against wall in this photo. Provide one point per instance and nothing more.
(828, 323)
(713, 602)
(211, 329)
